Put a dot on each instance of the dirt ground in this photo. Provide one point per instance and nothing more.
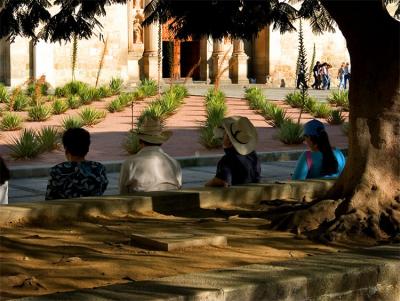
(37, 260)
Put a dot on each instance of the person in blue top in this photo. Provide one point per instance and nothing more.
(321, 161)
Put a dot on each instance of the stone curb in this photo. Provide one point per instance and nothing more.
(115, 166)
(364, 274)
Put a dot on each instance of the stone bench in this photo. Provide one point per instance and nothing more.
(165, 202)
(364, 274)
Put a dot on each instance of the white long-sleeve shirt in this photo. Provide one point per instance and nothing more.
(151, 169)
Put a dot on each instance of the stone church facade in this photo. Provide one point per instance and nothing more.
(132, 53)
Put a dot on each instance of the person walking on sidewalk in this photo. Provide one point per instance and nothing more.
(321, 161)
(151, 169)
(240, 164)
(317, 80)
(340, 76)
(4, 177)
(76, 177)
(346, 75)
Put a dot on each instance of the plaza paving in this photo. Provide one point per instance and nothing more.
(33, 189)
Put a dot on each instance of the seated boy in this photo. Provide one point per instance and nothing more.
(76, 177)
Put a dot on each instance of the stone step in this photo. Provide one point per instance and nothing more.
(363, 274)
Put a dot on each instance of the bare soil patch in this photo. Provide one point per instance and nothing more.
(35, 260)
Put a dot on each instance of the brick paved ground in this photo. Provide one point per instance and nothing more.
(108, 136)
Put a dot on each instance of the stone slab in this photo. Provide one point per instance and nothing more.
(361, 274)
(165, 202)
(174, 241)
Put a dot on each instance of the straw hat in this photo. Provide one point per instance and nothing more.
(241, 132)
(151, 131)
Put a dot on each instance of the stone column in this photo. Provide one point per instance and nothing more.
(205, 59)
(43, 62)
(150, 55)
(261, 56)
(239, 63)
(19, 61)
(5, 61)
(129, 5)
(220, 62)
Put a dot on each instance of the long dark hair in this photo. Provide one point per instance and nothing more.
(329, 162)
(4, 172)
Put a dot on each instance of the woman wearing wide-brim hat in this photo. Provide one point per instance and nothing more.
(240, 164)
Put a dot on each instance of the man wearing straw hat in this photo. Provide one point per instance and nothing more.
(151, 169)
(240, 164)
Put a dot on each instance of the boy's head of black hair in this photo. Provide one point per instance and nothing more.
(76, 141)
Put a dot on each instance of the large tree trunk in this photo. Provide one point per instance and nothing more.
(370, 184)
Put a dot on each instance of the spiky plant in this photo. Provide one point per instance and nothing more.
(3, 94)
(116, 85)
(302, 63)
(131, 143)
(336, 117)
(101, 61)
(74, 102)
(276, 116)
(49, 138)
(104, 91)
(74, 55)
(115, 106)
(148, 87)
(91, 116)
(321, 110)
(26, 146)
(59, 106)
(310, 72)
(72, 122)
(19, 102)
(10, 122)
(39, 113)
(290, 132)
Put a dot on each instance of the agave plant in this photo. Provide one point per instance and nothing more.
(10, 122)
(87, 95)
(338, 98)
(3, 94)
(115, 106)
(321, 110)
(59, 106)
(180, 91)
(294, 99)
(91, 116)
(290, 132)
(104, 91)
(116, 85)
(20, 102)
(26, 146)
(148, 87)
(49, 138)
(336, 117)
(74, 87)
(73, 101)
(72, 122)
(276, 116)
(131, 143)
(39, 113)
(126, 99)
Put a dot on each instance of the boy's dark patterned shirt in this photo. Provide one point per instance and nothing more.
(76, 179)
